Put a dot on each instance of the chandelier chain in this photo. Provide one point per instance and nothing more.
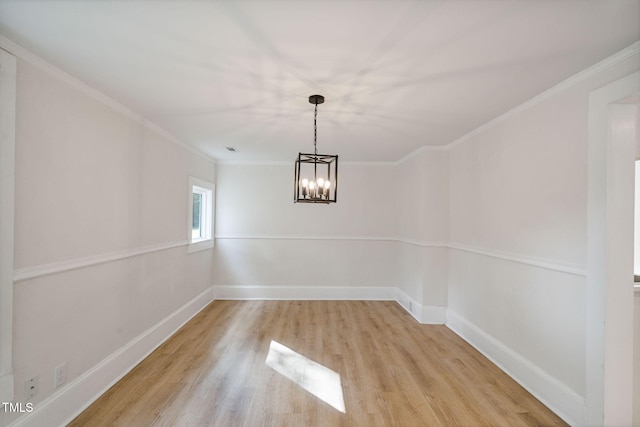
(315, 130)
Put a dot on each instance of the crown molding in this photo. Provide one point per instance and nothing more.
(575, 79)
(419, 151)
(290, 163)
(581, 76)
(24, 54)
(594, 70)
(367, 163)
(254, 163)
(611, 61)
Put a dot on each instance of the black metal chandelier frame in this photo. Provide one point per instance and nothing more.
(316, 175)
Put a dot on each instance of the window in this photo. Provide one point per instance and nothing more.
(201, 194)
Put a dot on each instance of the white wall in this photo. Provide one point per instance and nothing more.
(519, 189)
(100, 237)
(266, 241)
(517, 264)
(388, 230)
(422, 217)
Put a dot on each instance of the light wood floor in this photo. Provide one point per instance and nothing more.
(394, 372)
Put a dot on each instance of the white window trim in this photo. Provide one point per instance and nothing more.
(208, 190)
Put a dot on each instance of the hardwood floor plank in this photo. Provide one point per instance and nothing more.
(393, 371)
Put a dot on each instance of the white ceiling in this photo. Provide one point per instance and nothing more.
(396, 75)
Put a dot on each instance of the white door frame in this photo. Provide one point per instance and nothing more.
(7, 191)
(609, 293)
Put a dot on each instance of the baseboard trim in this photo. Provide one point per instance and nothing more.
(64, 405)
(303, 237)
(411, 306)
(566, 403)
(67, 403)
(371, 293)
(423, 314)
(6, 387)
(427, 315)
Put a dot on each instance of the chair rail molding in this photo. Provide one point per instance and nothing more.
(27, 273)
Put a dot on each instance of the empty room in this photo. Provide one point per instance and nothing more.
(319, 213)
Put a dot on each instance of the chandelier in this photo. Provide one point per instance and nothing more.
(316, 175)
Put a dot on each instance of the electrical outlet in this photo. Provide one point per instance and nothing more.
(30, 388)
(410, 306)
(60, 375)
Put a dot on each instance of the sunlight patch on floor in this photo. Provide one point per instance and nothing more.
(317, 379)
